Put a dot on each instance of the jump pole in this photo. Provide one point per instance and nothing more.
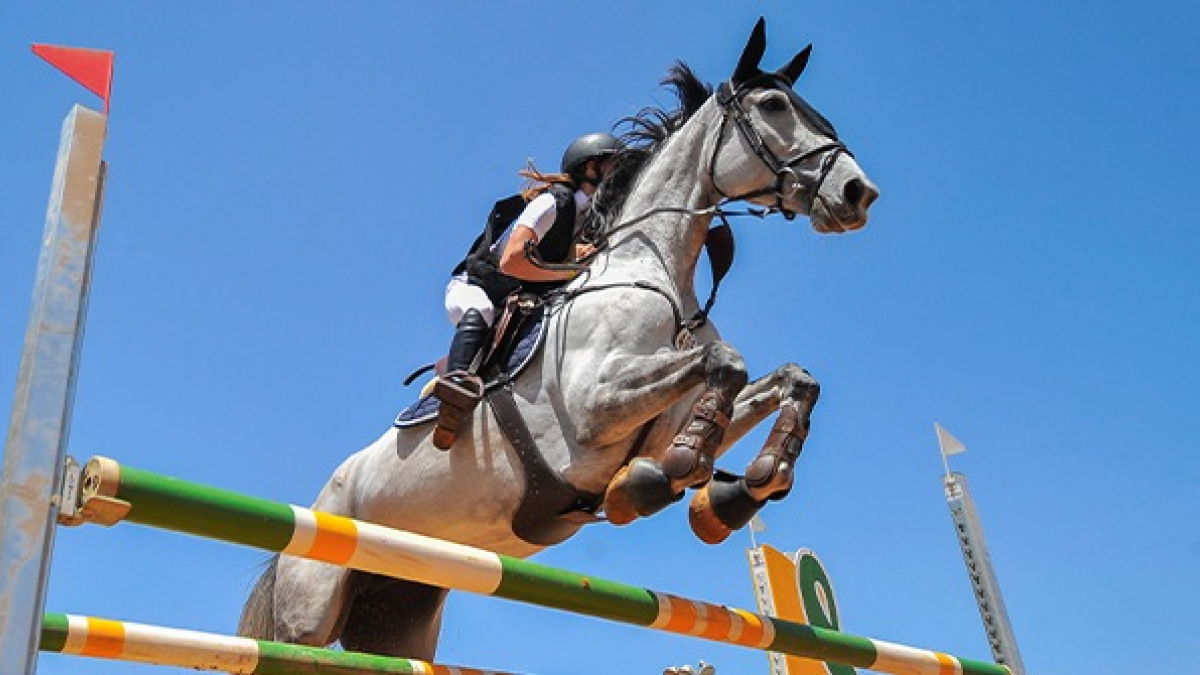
(126, 641)
(111, 493)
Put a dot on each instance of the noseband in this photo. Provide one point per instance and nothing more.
(787, 180)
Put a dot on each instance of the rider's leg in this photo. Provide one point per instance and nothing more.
(460, 390)
(463, 296)
(469, 337)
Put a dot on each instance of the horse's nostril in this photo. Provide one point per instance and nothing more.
(853, 191)
(859, 193)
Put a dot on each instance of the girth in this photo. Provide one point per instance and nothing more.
(551, 510)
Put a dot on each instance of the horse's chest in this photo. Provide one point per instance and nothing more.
(462, 495)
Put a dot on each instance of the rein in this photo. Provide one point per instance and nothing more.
(683, 329)
(787, 180)
(787, 183)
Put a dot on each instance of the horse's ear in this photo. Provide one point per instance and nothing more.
(747, 66)
(796, 66)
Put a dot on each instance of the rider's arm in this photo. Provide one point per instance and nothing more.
(533, 223)
(515, 263)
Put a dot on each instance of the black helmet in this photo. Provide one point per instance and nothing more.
(589, 147)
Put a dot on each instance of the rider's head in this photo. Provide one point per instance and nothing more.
(584, 159)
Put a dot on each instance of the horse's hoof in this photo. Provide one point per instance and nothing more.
(705, 523)
(618, 503)
(722, 507)
(639, 489)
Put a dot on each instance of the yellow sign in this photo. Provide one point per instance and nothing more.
(795, 588)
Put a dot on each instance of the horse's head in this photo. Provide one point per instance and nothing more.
(776, 150)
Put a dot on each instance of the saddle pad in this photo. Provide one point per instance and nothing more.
(520, 351)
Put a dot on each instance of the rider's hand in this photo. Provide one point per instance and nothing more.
(584, 251)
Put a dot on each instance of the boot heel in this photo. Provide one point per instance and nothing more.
(459, 393)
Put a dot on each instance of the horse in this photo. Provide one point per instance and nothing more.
(628, 402)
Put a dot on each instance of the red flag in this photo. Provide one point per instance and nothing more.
(93, 68)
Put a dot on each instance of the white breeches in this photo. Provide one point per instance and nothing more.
(462, 295)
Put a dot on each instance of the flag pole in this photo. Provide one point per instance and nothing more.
(984, 582)
(35, 448)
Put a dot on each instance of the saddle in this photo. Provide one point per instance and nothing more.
(551, 508)
(516, 338)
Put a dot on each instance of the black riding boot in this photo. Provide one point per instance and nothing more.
(459, 389)
(469, 336)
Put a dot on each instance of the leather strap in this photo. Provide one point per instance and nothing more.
(551, 509)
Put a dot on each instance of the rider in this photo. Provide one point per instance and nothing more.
(481, 283)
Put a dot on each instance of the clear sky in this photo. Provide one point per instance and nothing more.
(290, 183)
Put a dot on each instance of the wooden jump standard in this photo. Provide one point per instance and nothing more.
(112, 493)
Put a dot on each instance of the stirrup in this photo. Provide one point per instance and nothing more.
(459, 393)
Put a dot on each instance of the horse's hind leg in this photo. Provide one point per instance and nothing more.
(393, 617)
(729, 502)
(258, 614)
(311, 601)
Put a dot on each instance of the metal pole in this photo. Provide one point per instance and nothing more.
(984, 581)
(41, 415)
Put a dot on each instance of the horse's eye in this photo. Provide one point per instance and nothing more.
(773, 104)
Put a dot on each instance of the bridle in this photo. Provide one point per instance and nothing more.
(787, 183)
(787, 180)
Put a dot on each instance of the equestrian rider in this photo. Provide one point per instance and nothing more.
(481, 283)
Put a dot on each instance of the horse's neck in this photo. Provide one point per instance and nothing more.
(666, 245)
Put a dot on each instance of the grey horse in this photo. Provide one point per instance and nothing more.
(628, 400)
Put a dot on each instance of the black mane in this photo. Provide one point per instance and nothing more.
(644, 135)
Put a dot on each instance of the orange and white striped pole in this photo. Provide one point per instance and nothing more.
(140, 496)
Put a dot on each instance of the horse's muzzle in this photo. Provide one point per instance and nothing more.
(846, 209)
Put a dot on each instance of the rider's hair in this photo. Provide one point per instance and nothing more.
(538, 182)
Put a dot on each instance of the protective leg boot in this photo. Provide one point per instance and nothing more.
(770, 474)
(459, 390)
(689, 461)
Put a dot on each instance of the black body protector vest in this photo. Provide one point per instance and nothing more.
(482, 265)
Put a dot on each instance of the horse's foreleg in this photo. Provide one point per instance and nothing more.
(756, 402)
(645, 486)
(729, 502)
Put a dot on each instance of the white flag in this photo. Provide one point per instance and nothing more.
(949, 444)
(757, 524)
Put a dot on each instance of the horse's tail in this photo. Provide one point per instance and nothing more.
(258, 620)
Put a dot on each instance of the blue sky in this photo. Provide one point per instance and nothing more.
(291, 182)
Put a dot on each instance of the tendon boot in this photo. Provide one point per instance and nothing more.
(459, 390)
(689, 461)
(770, 475)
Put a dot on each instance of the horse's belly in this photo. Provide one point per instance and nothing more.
(460, 523)
(439, 494)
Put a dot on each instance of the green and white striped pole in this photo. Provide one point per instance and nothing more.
(141, 643)
(170, 503)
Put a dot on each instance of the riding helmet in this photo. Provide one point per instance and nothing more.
(589, 147)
